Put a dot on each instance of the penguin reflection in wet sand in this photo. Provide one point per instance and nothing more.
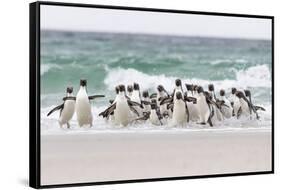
(67, 108)
(83, 105)
(122, 108)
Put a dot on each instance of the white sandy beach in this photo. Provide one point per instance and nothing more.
(107, 156)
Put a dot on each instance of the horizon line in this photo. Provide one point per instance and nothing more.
(154, 34)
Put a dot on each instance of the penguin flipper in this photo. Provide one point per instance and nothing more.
(111, 101)
(159, 116)
(239, 112)
(210, 122)
(145, 116)
(134, 110)
(154, 95)
(170, 106)
(108, 110)
(132, 103)
(59, 107)
(95, 96)
(190, 99)
(166, 100)
(259, 108)
(69, 98)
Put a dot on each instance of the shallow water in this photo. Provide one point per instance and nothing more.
(106, 60)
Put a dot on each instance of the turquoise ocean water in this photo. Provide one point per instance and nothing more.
(107, 59)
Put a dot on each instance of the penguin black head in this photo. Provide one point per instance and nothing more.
(136, 86)
(239, 94)
(247, 93)
(222, 92)
(153, 101)
(178, 82)
(207, 94)
(83, 82)
(153, 106)
(178, 95)
(160, 88)
(117, 89)
(69, 90)
(233, 90)
(145, 94)
(130, 88)
(121, 88)
(200, 89)
(211, 87)
(188, 87)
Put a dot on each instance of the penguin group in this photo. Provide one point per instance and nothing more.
(179, 107)
(79, 104)
(188, 103)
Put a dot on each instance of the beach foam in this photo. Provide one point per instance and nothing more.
(256, 76)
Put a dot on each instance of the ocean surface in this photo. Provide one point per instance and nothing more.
(107, 59)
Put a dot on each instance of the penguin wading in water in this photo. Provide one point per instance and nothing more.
(226, 110)
(122, 108)
(83, 105)
(234, 102)
(180, 111)
(246, 107)
(153, 115)
(160, 96)
(135, 97)
(204, 109)
(146, 101)
(217, 112)
(67, 108)
(191, 105)
(110, 117)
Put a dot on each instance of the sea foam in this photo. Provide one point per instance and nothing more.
(256, 76)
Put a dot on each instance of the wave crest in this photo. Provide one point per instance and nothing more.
(256, 76)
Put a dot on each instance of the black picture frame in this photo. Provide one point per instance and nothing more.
(34, 93)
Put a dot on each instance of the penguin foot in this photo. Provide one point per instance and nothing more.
(202, 123)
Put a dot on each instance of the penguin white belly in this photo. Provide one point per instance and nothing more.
(122, 113)
(193, 111)
(245, 108)
(218, 113)
(227, 111)
(153, 118)
(146, 108)
(163, 109)
(83, 110)
(136, 98)
(179, 114)
(236, 105)
(67, 112)
(203, 109)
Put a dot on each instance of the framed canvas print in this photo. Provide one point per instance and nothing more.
(125, 94)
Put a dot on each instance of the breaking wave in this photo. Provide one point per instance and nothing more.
(256, 76)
